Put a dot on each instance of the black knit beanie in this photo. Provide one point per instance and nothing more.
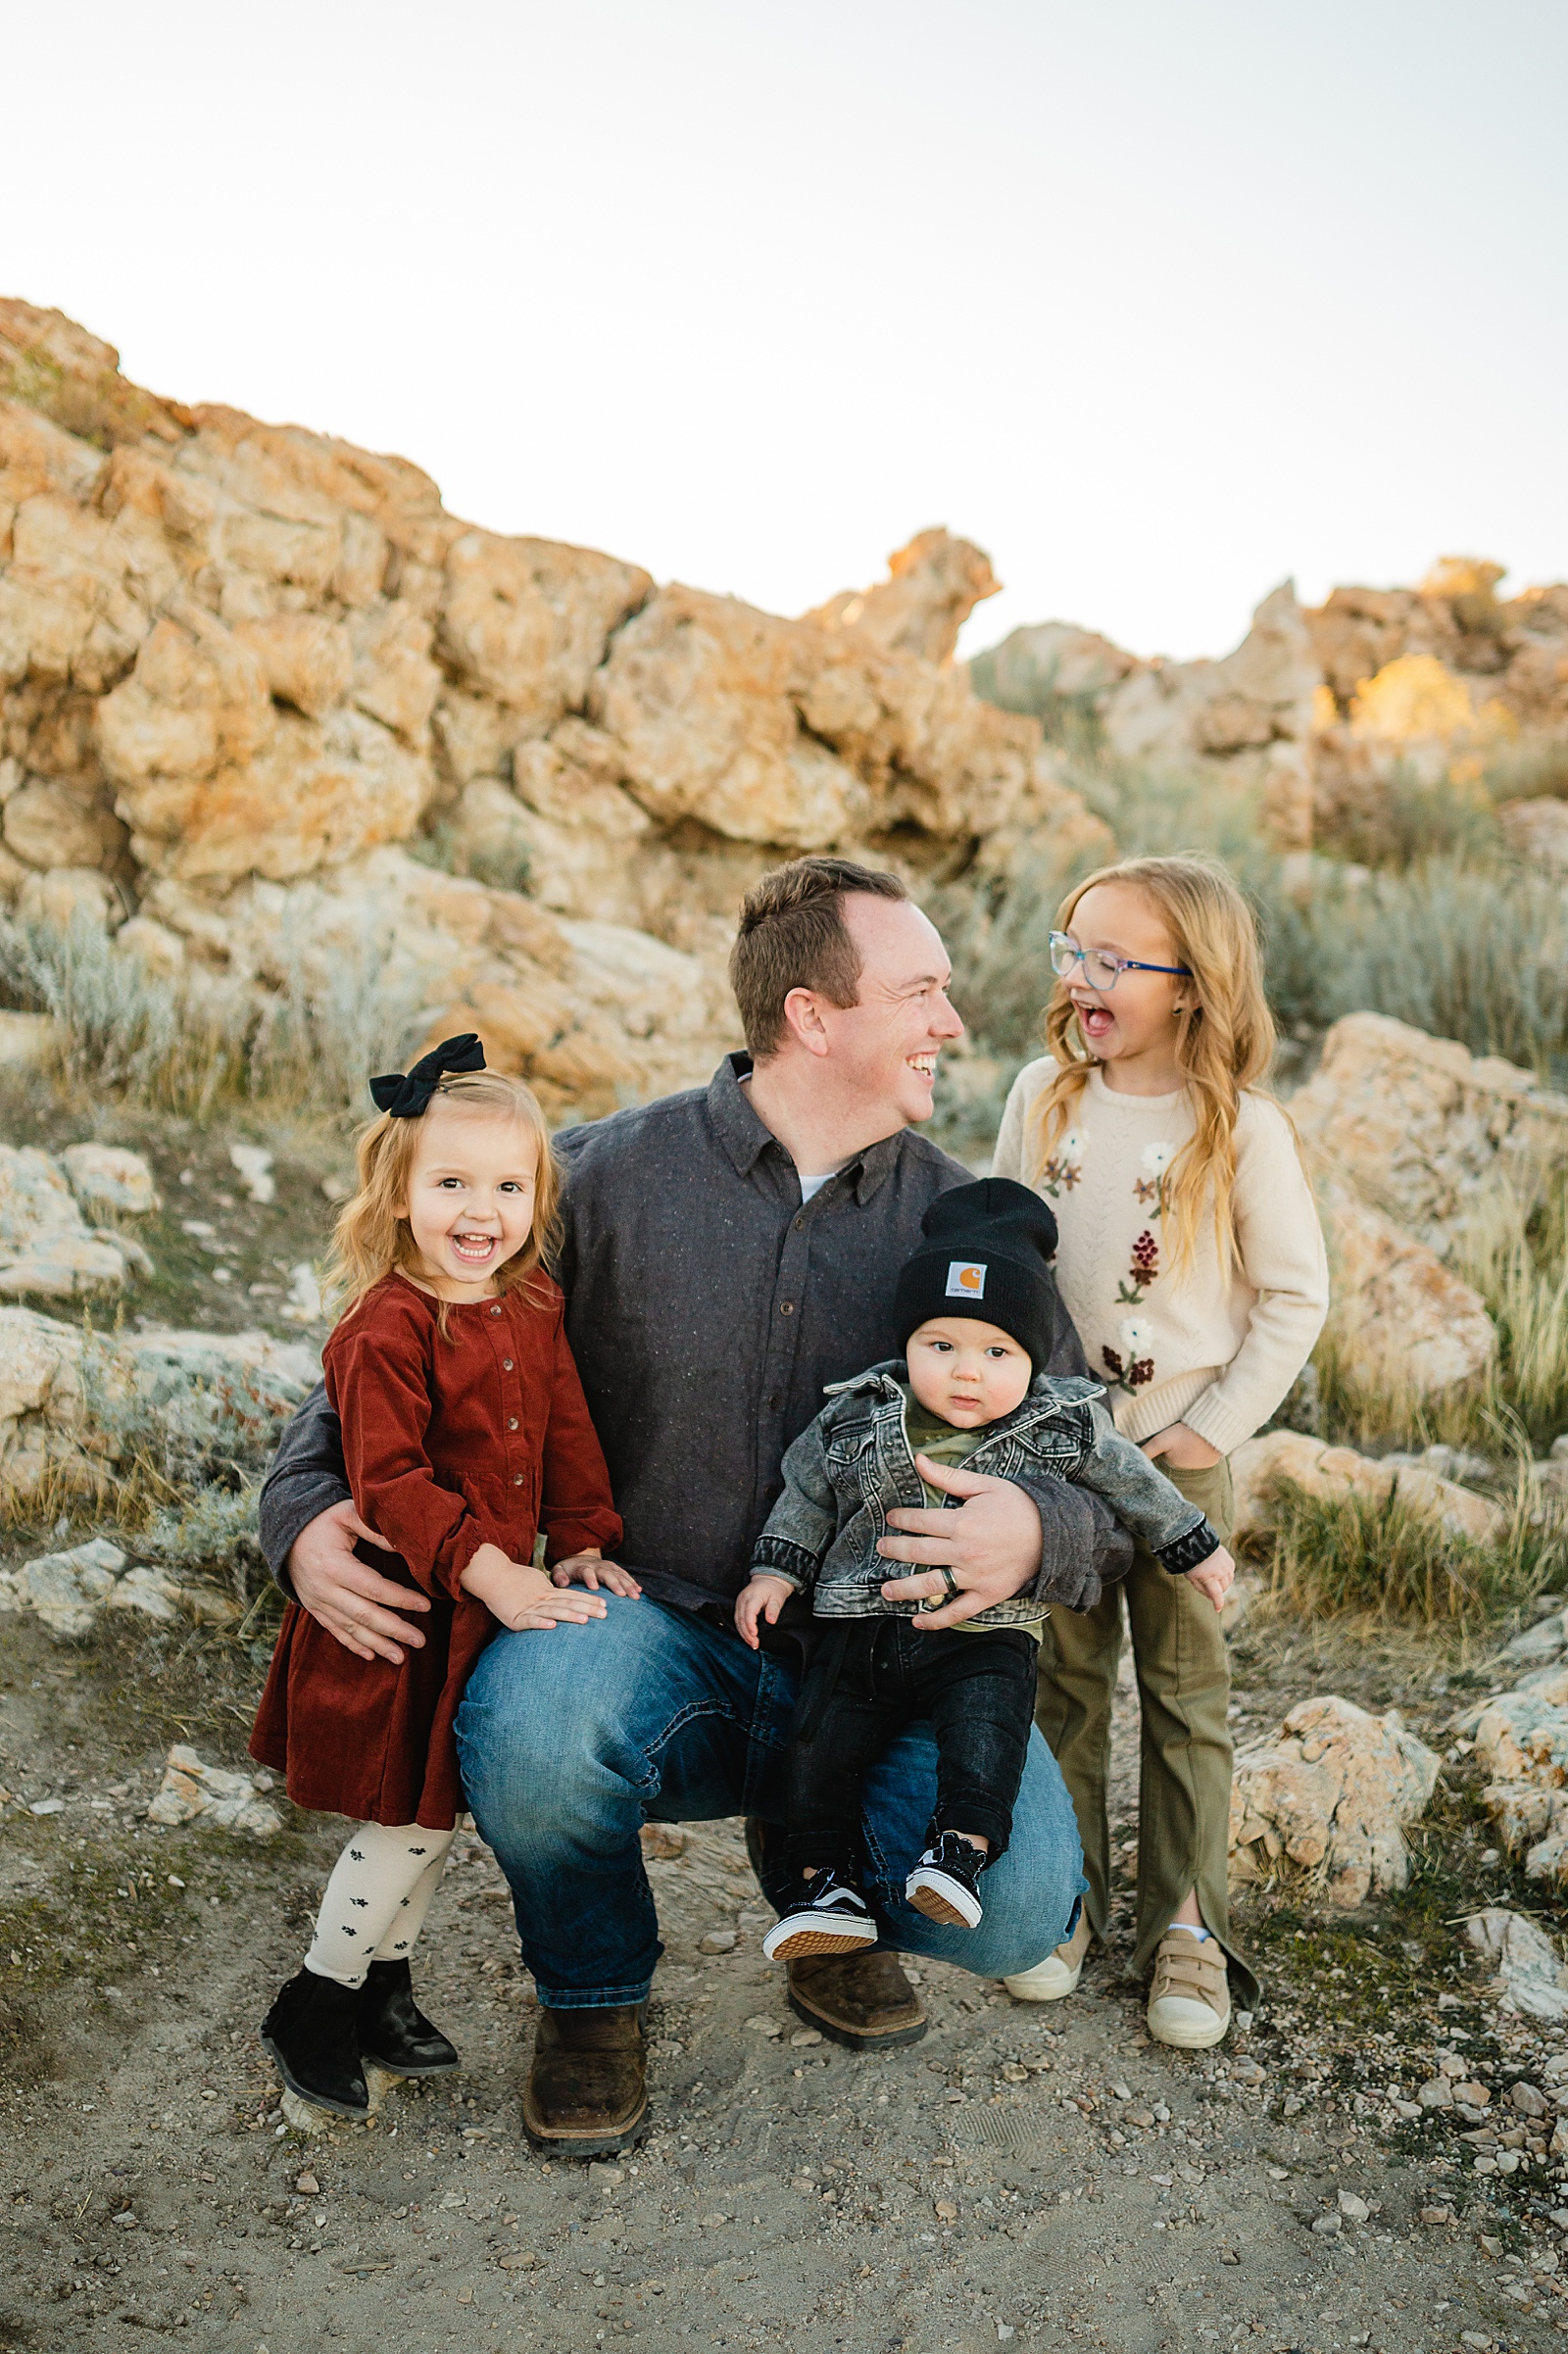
(985, 1256)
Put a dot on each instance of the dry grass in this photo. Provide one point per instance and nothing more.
(1390, 1563)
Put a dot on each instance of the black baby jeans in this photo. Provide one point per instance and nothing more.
(866, 1680)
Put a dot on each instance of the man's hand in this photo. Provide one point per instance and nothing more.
(990, 1545)
(355, 1603)
(1214, 1576)
(1182, 1449)
(763, 1597)
(592, 1570)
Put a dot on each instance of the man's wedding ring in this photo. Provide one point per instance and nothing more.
(950, 1582)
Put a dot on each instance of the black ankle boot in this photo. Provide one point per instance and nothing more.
(311, 2033)
(394, 2031)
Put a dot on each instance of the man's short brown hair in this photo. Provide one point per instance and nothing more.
(793, 936)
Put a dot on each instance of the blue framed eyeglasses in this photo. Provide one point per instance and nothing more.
(1102, 970)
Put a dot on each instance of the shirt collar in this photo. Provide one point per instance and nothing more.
(746, 1138)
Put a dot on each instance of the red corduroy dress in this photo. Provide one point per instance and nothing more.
(450, 1444)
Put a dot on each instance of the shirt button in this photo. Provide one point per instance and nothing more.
(786, 1307)
(799, 1223)
(506, 1364)
(511, 1422)
(775, 1402)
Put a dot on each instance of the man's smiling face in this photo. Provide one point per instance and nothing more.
(887, 1044)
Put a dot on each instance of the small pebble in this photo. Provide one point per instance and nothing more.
(718, 1941)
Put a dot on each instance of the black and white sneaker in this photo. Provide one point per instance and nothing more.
(942, 1884)
(829, 1915)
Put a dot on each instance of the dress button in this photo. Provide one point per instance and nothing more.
(516, 1479)
(496, 1311)
(511, 1422)
(506, 1364)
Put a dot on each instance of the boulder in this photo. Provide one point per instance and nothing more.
(1522, 1736)
(71, 1403)
(46, 1246)
(1404, 1324)
(1265, 1467)
(194, 1791)
(25, 1040)
(1528, 1976)
(110, 1177)
(67, 1590)
(1424, 1129)
(1332, 1792)
(247, 666)
(933, 586)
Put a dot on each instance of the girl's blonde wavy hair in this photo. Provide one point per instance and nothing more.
(372, 1238)
(1224, 1041)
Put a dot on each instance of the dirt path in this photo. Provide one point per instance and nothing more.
(1039, 2175)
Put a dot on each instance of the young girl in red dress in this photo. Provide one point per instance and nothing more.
(465, 1434)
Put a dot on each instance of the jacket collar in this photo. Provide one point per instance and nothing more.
(745, 1140)
(1048, 1392)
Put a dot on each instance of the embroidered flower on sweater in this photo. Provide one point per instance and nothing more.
(1132, 1366)
(1065, 1166)
(1148, 1184)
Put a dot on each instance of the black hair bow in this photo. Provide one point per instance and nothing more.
(404, 1095)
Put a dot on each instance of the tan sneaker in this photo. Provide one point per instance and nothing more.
(1190, 2000)
(1058, 1974)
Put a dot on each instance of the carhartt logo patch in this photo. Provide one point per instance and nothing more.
(967, 1279)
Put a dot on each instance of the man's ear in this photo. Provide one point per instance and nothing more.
(803, 1017)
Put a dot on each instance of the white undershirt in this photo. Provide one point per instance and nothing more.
(810, 1187)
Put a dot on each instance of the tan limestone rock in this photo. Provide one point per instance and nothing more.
(526, 621)
(305, 659)
(1404, 1324)
(933, 585)
(1332, 1792)
(779, 732)
(46, 1247)
(110, 1177)
(49, 824)
(67, 895)
(1423, 1128)
(192, 1791)
(1263, 1467)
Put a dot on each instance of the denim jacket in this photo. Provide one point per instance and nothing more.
(855, 1464)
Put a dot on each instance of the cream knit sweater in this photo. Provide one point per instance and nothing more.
(1218, 1348)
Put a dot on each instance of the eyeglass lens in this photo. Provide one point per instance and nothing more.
(1099, 970)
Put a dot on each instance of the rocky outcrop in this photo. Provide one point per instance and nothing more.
(67, 1592)
(1266, 1468)
(73, 1404)
(1424, 1129)
(1528, 1975)
(47, 1247)
(1247, 717)
(256, 684)
(1403, 1324)
(1326, 709)
(933, 586)
(1331, 1794)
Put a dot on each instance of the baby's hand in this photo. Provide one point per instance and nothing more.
(763, 1597)
(590, 1569)
(524, 1598)
(1214, 1576)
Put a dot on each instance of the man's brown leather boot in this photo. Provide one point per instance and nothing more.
(587, 2091)
(860, 1999)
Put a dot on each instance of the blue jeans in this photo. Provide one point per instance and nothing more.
(570, 1740)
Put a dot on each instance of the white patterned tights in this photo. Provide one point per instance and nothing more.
(377, 1899)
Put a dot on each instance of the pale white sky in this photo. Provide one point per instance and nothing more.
(1159, 303)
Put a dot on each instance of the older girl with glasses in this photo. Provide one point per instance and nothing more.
(1191, 1262)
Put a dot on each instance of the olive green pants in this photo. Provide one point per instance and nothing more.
(1184, 1776)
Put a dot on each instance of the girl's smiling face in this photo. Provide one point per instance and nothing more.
(470, 1198)
(1133, 1026)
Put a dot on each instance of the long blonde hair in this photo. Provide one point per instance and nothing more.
(1224, 1040)
(372, 1238)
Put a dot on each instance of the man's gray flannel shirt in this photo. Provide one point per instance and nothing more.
(709, 1309)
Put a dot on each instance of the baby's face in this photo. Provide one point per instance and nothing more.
(968, 1373)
